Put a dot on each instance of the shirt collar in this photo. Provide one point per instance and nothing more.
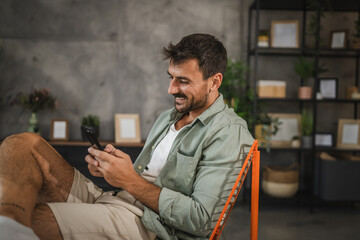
(214, 108)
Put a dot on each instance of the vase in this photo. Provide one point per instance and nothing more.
(33, 123)
(305, 92)
(306, 141)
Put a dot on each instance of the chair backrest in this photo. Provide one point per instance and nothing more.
(253, 158)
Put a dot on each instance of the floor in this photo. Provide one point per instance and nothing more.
(294, 221)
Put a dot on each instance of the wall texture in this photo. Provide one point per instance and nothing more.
(101, 57)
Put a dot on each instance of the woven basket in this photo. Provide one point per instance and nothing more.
(282, 174)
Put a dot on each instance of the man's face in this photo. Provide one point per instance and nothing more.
(187, 85)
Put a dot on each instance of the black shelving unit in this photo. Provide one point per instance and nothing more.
(254, 53)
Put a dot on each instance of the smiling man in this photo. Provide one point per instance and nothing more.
(174, 190)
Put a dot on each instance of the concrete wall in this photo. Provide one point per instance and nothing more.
(101, 57)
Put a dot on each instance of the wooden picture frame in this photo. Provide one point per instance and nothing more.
(285, 34)
(324, 139)
(348, 135)
(338, 39)
(290, 126)
(328, 87)
(127, 128)
(59, 130)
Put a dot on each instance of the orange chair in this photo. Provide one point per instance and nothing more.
(254, 158)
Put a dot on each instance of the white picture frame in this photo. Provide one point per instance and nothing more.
(324, 139)
(285, 34)
(328, 87)
(59, 130)
(127, 128)
(290, 126)
(348, 135)
(338, 39)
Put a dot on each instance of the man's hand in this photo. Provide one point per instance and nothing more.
(112, 164)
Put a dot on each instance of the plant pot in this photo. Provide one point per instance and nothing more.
(306, 141)
(356, 43)
(96, 132)
(305, 92)
(33, 124)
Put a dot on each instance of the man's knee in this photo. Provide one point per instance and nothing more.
(23, 139)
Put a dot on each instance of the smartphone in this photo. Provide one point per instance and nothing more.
(89, 133)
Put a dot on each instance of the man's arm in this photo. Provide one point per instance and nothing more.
(117, 169)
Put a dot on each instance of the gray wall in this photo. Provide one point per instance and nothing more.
(101, 57)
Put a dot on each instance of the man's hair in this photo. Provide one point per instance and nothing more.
(210, 53)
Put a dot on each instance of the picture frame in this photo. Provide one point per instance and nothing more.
(127, 128)
(59, 130)
(290, 126)
(328, 87)
(324, 139)
(338, 39)
(285, 34)
(348, 135)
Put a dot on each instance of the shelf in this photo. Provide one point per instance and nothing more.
(289, 148)
(342, 6)
(102, 143)
(338, 100)
(309, 52)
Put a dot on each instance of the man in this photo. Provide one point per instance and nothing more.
(174, 190)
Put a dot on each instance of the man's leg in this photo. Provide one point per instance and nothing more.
(31, 172)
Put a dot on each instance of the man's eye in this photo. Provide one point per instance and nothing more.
(184, 82)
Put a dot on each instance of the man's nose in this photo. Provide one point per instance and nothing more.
(173, 87)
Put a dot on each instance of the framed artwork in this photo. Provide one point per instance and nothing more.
(348, 135)
(127, 128)
(338, 39)
(328, 87)
(324, 139)
(289, 127)
(285, 34)
(59, 130)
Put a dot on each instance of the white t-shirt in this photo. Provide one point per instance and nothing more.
(160, 155)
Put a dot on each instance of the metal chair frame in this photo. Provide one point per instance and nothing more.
(253, 158)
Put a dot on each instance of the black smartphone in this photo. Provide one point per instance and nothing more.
(89, 133)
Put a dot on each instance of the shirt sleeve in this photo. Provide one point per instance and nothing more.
(220, 162)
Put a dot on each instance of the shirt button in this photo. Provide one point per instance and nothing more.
(139, 167)
(153, 147)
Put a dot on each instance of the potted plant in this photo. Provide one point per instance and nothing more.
(307, 123)
(306, 70)
(35, 101)
(92, 122)
(356, 35)
(237, 94)
(265, 127)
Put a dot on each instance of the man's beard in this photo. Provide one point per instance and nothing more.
(193, 105)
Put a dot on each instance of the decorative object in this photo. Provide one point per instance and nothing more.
(127, 128)
(356, 35)
(92, 122)
(271, 89)
(350, 91)
(295, 142)
(328, 87)
(59, 130)
(338, 39)
(307, 123)
(290, 127)
(285, 34)
(263, 38)
(281, 181)
(324, 139)
(38, 99)
(348, 134)
(265, 127)
(306, 70)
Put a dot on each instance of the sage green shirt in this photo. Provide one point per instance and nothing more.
(199, 173)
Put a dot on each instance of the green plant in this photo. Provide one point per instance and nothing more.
(90, 120)
(306, 69)
(37, 100)
(357, 29)
(266, 119)
(307, 122)
(314, 27)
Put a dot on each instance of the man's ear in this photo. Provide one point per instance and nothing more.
(216, 82)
